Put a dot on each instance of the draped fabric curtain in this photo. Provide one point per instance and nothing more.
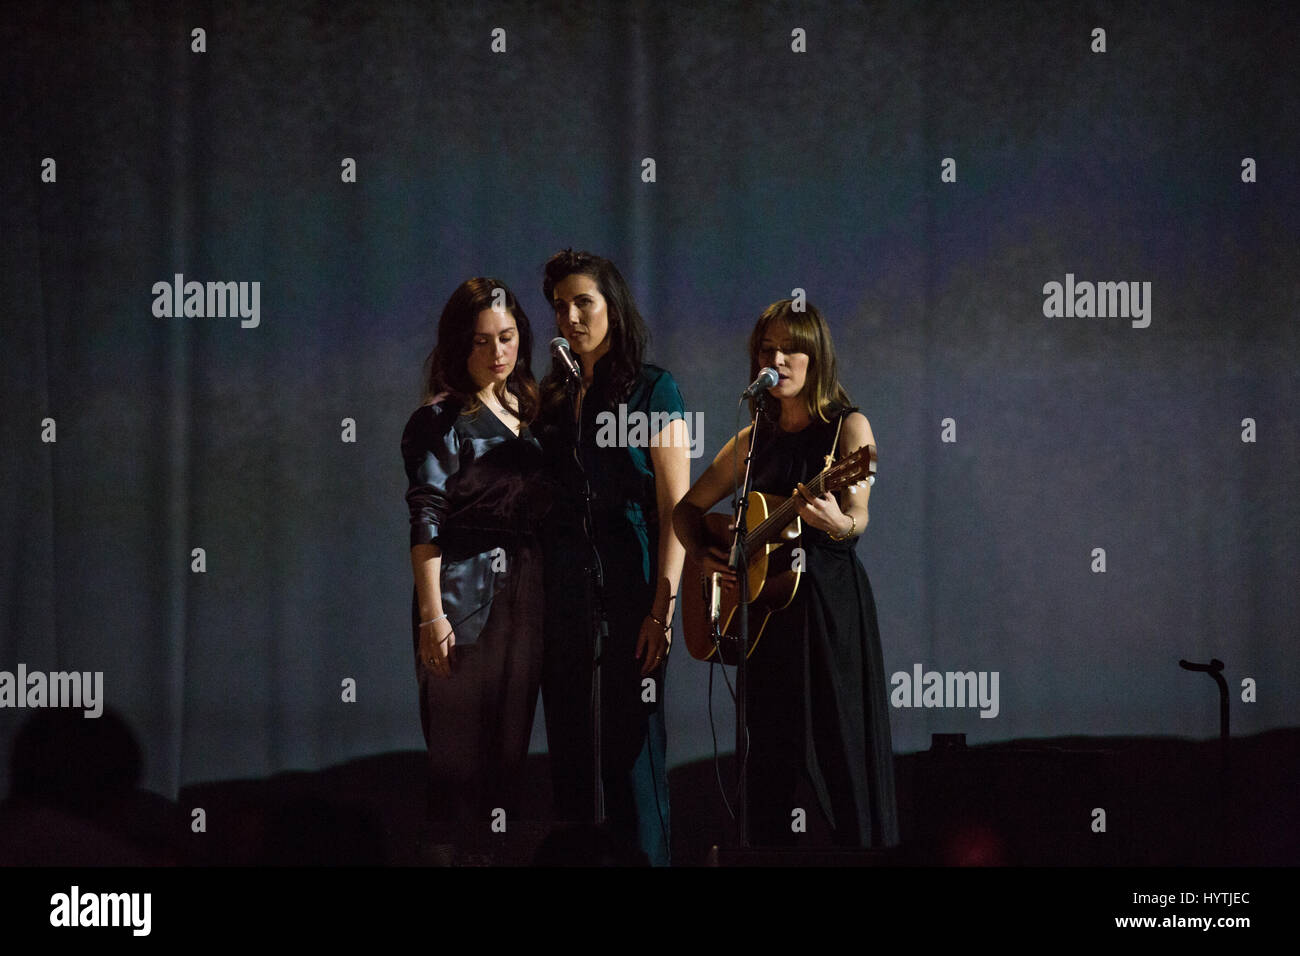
(207, 508)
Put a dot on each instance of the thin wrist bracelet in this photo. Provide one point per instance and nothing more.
(664, 624)
(435, 620)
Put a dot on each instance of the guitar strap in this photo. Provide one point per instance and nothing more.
(830, 459)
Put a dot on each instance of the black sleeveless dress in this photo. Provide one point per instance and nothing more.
(818, 692)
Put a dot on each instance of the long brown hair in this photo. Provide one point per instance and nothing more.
(447, 367)
(822, 392)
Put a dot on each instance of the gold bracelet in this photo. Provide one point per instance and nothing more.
(664, 624)
(848, 534)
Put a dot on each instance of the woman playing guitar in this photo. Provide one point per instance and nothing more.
(817, 688)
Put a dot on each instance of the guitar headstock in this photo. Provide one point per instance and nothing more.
(859, 466)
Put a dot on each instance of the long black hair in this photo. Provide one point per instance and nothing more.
(627, 331)
(446, 370)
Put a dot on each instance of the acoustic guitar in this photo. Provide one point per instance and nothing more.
(773, 559)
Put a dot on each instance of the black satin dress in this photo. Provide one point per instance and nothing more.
(474, 492)
(818, 692)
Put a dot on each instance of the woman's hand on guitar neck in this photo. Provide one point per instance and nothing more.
(822, 513)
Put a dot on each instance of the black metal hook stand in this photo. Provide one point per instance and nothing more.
(1215, 670)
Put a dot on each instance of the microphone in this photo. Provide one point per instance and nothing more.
(561, 352)
(766, 379)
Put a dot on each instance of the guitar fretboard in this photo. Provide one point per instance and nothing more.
(781, 516)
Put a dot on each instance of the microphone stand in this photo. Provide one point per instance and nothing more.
(599, 621)
(741, 567)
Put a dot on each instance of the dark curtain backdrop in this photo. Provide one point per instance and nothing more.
(775, 170)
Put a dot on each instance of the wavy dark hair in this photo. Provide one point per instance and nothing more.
(822, 392)
(627, 332)
(447, 367)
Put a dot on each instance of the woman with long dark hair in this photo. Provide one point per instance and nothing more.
(475, 503)
(636, 476)
(817, 689)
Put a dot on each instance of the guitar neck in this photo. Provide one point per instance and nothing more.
(780, 517)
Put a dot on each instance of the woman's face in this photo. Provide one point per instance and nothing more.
(581, 314)
(774, 349)
(495, 348)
